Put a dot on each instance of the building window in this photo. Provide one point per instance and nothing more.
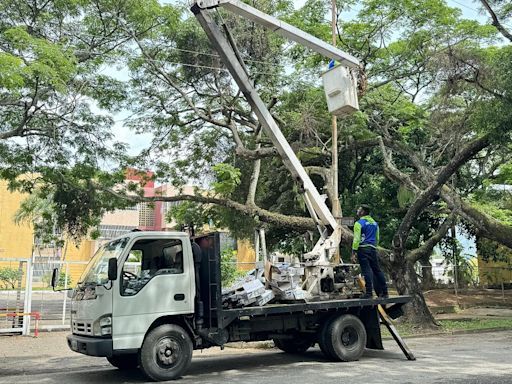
(146, 215)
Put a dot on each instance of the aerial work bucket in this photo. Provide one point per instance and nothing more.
(340, 87)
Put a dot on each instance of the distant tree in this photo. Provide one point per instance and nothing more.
(9, 277)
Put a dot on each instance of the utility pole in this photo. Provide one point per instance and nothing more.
(455, 262)
(336, 208)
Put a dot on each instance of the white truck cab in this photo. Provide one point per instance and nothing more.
(155, 278)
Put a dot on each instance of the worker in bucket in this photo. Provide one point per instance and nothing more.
(366, 240)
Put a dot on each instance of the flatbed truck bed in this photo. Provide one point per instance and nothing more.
(278, 308)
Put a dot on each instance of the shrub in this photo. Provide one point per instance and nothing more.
(8, 277)
(228, 271)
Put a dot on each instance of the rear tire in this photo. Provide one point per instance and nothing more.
(299, 344)
(166, 352)
(124, 362)
(345, 338)
(323, 343)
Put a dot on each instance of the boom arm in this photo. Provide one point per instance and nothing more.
(329, 228)
(282, 28)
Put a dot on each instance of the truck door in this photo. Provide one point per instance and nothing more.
(156, 279)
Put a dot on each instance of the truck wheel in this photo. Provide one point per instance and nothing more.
(323, 340)
(166, 352)
(124, 362)
(299, 344)
(345, 338)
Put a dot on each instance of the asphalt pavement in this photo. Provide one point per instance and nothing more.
(477, 358)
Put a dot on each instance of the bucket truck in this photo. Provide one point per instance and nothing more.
(154, 316)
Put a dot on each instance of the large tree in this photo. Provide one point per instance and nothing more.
(58, 94)
(434, 123)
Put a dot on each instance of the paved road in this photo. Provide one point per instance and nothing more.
(484, 358)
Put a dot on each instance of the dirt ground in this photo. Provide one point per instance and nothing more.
(467, 298)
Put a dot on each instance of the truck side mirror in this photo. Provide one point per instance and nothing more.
(112, 269)
(55, 278)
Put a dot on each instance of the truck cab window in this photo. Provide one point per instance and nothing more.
(148, 259)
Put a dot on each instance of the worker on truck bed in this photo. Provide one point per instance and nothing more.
(366, 240)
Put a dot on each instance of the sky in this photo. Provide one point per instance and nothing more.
(138, 142)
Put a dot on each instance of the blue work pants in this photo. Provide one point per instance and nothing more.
(370, 269)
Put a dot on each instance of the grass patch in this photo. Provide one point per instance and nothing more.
(449, 326)
(474, 324)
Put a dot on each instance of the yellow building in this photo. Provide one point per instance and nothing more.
(246, 255)
(15, 240)
(496, 273)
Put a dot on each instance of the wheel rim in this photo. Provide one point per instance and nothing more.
(167, 352)
(349, 337)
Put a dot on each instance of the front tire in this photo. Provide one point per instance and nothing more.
(166, 352)
(124, 362)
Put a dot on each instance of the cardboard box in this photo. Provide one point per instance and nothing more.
(294, 294)
(252, 289)
(265, 298)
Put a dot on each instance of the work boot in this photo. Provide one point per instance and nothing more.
(383, 296)
(366, 296)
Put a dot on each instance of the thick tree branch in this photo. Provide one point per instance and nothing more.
(426, 248)
(255, 154)
(394, 173)
(255, 175)
(427, 196)
(359, 144)
(253, 184)
(13, 132)
(486, 226)
(293, 222)
(495, 21)
(326, 175)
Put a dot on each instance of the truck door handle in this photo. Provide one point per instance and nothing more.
(179, 297)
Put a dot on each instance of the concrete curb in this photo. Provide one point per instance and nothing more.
(456, 332)
(454, 309)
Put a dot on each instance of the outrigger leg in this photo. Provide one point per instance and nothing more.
(386, 320)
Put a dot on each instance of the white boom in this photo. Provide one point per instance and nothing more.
(327, 224)
(284, 29)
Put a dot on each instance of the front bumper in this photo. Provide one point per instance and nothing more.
(92, 346)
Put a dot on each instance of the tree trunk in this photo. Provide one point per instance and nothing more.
(427, 278)
(416, 312)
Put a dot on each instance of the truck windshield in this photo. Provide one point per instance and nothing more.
(96, 271)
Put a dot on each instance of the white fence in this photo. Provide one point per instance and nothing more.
(31, 297)
(15, 297)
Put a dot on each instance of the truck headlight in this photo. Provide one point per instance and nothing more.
(102, 326)
(105, 321)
